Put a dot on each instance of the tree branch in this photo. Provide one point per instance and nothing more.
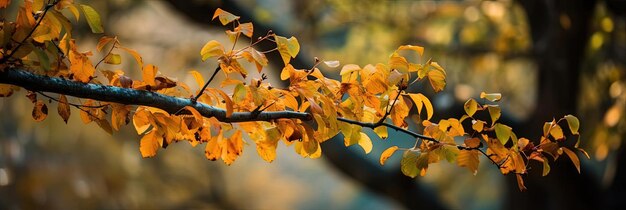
(170, 104)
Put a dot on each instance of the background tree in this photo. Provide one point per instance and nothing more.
(402, 185)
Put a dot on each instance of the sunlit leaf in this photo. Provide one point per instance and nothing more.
(365, 142)
(381, 131)
(491, 96)
(246, 29)
(422, 101)
(573, 123)
(494, 113)
(63, 108)
(198, 77)
(211, 49)
(503, 132)
(103, 42)
(93, 19)
(556, 132)
(149, 144)
(149, 73)
(546, 166)
(418, 49)
(470, 107)
(437, 80)
(288, 48)
(113, 59)
(387, 153)
(478, 125)
(468, 159)
(225, 17)
(135, 55)
(240, 93)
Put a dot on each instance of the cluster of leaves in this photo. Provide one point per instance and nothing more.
(372, 96)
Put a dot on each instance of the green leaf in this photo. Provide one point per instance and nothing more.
(93, 19)
(408, 164)
(113, 59)
(546, 166)
(288, 48)
(503, 133)
(470, 107)
(495, 113)
(573, 123)
(240, 93)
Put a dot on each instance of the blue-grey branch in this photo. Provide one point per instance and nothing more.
(34, 82)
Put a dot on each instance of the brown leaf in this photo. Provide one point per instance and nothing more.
(63, 108)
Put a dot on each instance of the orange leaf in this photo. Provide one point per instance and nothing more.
(134, 54)
(246, 29)
(211, 49)
(468, 159)
(149, 144)
(119, 115)
(103, 42)
(198, 77)
(149, 73)
(387, 153)
(40, 111)
(63, 108)
(225, 17)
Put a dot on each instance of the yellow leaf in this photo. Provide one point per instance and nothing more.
(196, 115)
(418, 49)
(232, 148)
(40, 111)
(437, 79)
(246, 29)
(365, 142)
(495, 113)
(556, 132)
(198, 77)
(422, 101)
(211, 49)
(470, 107)
(288, 48)
(491, 96)
(399, 63)
(149, 144)
(135, 55)
(478, 125)
(381, 131)
(546, 166)
(63, 108)
(503, 133)
(213, 150)
(113, 59)
(468, 159)
(149, 73)
(229, 103)
(240, 93)
(103, 42)
(225, 17)
(93, 19)
(387, 153)
(573, 123)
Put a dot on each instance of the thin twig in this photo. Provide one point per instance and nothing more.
(107, 55)
(207, 83)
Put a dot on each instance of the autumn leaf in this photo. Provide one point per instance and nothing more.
(418, 49)
(503, 132)
(365, 142)
(225, 17)
(332, 64)
(381, 131)
(468, 159)
(437, 79)
(135, 55)
(556, 132)
(470, 107)
(104, 41)
(387, 153)
(40, 111)
(211, 49)
(93, 19)
(408, 164)
(7, 90)
(149, 73)
(63, 108)
(119, 115)
(420, 102)
(494, 97)
(149, 144)
(494, 113)
(288, 48)
(198, 77)
(573, 123)
(113, 59)
(246, 29)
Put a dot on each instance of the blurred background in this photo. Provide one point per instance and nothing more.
(547, 57)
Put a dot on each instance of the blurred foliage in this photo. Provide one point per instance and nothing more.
(483, 44)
